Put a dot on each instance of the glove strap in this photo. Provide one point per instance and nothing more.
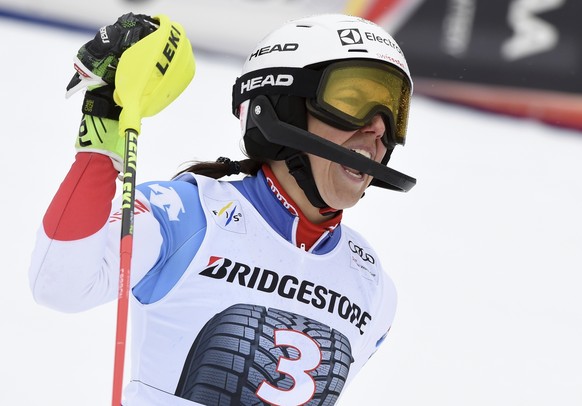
(100, 105)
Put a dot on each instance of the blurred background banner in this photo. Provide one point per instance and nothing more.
(520, 57)
(516, 57)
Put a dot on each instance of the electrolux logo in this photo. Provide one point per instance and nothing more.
(350, 36)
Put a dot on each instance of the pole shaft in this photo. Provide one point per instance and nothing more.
(125, 253)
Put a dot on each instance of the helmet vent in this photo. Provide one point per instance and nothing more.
(358, 50)
(304, 26)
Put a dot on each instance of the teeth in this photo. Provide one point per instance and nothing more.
(363, 152)
(351, 172)
(354, 173)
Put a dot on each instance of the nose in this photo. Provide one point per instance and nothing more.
(376, 127)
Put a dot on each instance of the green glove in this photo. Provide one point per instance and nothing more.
(96, 61)
(96, 65)
(101, 135)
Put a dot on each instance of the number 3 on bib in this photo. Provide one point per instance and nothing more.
(298, 369)
(250, 355)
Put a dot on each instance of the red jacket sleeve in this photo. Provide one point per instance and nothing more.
(82, 203)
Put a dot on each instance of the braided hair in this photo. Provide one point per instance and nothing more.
(224, 167)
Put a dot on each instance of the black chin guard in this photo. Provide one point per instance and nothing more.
(277, 132)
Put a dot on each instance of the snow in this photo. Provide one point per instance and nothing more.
(486, 250)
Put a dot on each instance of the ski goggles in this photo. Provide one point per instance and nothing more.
(351, 93)
(343, 94)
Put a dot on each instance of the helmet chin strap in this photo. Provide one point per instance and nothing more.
(277, 132)
(299, 166)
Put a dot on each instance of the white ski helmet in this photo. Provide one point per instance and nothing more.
(299, 68)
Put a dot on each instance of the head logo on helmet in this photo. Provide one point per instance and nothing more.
(274, 48)
(275, 92)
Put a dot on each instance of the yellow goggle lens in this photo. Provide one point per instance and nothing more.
(356, 93)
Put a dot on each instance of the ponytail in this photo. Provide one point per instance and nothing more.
(224, 167)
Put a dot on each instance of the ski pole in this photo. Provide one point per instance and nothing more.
(150, 75)
(125, 252)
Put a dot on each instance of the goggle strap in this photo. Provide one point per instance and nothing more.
(272, 81)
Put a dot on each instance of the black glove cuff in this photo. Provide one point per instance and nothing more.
(99, 103)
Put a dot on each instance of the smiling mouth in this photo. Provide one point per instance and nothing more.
(352, 172)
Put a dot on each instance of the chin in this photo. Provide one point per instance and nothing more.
(342, 203)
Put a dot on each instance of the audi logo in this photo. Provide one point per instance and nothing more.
(360, 251)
